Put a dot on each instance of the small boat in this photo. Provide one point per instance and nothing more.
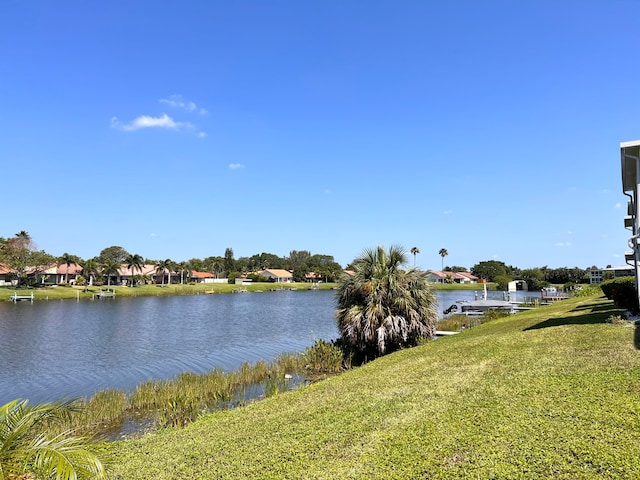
(480, 306)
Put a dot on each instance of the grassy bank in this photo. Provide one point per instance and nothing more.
(550, 393)
(78, 292)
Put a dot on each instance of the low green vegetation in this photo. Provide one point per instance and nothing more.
(88, 293)
(548, 393)
(623, 293)
(178, 401)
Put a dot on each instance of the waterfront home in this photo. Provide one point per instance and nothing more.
(436, 276)
(277, 275)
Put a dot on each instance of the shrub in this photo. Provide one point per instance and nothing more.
(623, 293)
(587, 290)
(323, 357)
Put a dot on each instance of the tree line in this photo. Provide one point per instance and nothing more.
(21, 255)
(536, 278)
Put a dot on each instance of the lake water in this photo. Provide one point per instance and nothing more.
(55, 349)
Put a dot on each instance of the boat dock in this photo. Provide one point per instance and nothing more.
(19, 298)
(106, 294)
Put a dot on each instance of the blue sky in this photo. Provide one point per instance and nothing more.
(177, 129)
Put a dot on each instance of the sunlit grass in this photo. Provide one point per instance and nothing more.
(549, 393)
(79, 292)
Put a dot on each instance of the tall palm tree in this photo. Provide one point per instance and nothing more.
(89, 269)
(110, 267)
(382, 307)
(414, 251)
(67, 260)
(27, 451)
(443, 253)
(164, 266)
(185, 271)
(134, 262)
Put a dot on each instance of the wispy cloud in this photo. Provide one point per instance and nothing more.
(176, 101)
(563, 244)
(618, 205)
(202, 134)
(147, 121)
(236, 166)
(447, 212)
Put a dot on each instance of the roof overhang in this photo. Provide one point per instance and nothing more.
(630, 157)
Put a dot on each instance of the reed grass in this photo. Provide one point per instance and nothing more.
(179, 401)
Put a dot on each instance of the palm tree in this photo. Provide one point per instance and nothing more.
(89, 268)
(382, 307)
(28, 451)
(164, 266)
(109, 268)
(134, 262)
(443, 253)
(185, 271)
(67, 260)
(414, 251)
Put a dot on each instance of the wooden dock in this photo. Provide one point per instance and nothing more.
(106, 294)
(19, 298)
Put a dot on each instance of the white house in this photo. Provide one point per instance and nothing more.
(277, 275)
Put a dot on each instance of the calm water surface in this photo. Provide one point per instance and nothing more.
(55, 349)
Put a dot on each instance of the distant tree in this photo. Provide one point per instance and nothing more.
(443, 253)
(502, 282)
(114, 253)
(383, 307)
(414, 251)
(229, 262)
(297, 258)
(455, 269)
(490, 269)
(20, 254)
(29, 452)
(68, 260)
(134, 262)
(89, 270)
(184, 269)
(325, 266)
(534, 278)
(162, 267)
(267, 260)
(109, 268)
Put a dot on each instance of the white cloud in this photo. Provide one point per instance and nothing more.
(146, 121)
(176, 101)
(235, 166)
(202, 134)
(447, 212)
(327, 191)
(563, 244)
(618, 205)
(154, 234)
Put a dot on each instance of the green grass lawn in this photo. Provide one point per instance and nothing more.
(548, 393)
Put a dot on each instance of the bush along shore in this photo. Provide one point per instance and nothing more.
(547, 393)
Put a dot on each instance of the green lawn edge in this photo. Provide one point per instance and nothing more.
(92, 292)
(548, 393)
